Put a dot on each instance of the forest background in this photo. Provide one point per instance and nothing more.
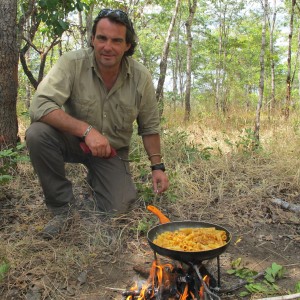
(227, 80)
(218, 56)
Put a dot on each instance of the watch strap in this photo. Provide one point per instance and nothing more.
(159, 166)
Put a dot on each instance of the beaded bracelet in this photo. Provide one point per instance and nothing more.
(155, 154)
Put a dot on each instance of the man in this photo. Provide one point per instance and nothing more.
(91, 97)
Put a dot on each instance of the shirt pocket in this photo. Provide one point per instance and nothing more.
(126, 115)
(82, 109)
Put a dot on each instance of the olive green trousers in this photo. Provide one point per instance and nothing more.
(110, 179)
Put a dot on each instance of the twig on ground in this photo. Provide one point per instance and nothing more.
(240, 284)
(286, 297)
(112, 288)
(286, 205)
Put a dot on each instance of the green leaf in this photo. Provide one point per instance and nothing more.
(273, 272)
(231, 272)
(236, 263)
(256, 288)
(79, 6)
(51, 5)
(21, 146)
(244, 294)
(245, 273)
(4, 267)
(270, 278)
(42, 3)
(297, 287)
(64, 25)
(5, 178)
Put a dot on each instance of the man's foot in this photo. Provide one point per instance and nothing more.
(55, 226)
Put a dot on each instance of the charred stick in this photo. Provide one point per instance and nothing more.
(240, 284)
(211, 295)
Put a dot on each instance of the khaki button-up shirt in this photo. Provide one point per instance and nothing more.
(75, 85)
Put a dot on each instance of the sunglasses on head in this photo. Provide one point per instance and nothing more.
(122, 16)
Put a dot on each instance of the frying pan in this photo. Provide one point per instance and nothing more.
(185, 256)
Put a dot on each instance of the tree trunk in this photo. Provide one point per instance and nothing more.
(176, 66)
(296, 61)
(272, 27)
(288, 76)
(262, 73)
(164, 59)
(89, 23)
(192, 9)
(221, 90)
(8, 73)
(81, 30)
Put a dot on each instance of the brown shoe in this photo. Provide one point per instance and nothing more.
(55, 226)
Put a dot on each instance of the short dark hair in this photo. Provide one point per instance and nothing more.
(118, 16)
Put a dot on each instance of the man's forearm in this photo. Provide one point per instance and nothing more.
(64, 122)
(152, 147)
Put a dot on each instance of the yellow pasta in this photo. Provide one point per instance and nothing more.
(192, 239)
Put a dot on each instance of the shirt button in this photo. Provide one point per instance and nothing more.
(104, 115)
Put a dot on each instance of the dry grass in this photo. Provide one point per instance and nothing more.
(225, 184)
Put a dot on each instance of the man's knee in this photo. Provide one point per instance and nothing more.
(116, 206)
(36, 133)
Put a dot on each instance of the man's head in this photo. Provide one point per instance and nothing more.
(118, 16)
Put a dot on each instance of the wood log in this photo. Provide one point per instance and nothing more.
(142, 271)
(286, 205)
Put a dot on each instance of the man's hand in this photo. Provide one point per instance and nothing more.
(160, 181)
(98, 144)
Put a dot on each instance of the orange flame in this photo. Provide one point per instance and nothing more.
(160, 277)
(185, 293)
(201, 291)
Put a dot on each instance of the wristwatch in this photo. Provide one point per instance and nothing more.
(160, 166)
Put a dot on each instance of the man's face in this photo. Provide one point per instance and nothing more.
(109, 44)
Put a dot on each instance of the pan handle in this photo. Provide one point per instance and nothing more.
(162, 218)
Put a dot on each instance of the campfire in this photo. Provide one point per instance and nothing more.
(187, 278)
(175, 280)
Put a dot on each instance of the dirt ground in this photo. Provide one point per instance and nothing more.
(96, 257)
(78, 266)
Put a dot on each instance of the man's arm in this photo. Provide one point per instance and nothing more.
(62, 121)
(152, 147)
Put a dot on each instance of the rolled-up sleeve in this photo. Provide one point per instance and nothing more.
(148, 117)
(53, 91)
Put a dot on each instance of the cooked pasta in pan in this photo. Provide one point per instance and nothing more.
(192, 239)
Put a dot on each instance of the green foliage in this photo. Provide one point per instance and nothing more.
(146, 191)
(297, 287)
(4, 268)
(183, 148)
(243, 273)
(53, 13)
(274, 272)
(266, 286)
(144, 225)
(246, 143)
(10, 157)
